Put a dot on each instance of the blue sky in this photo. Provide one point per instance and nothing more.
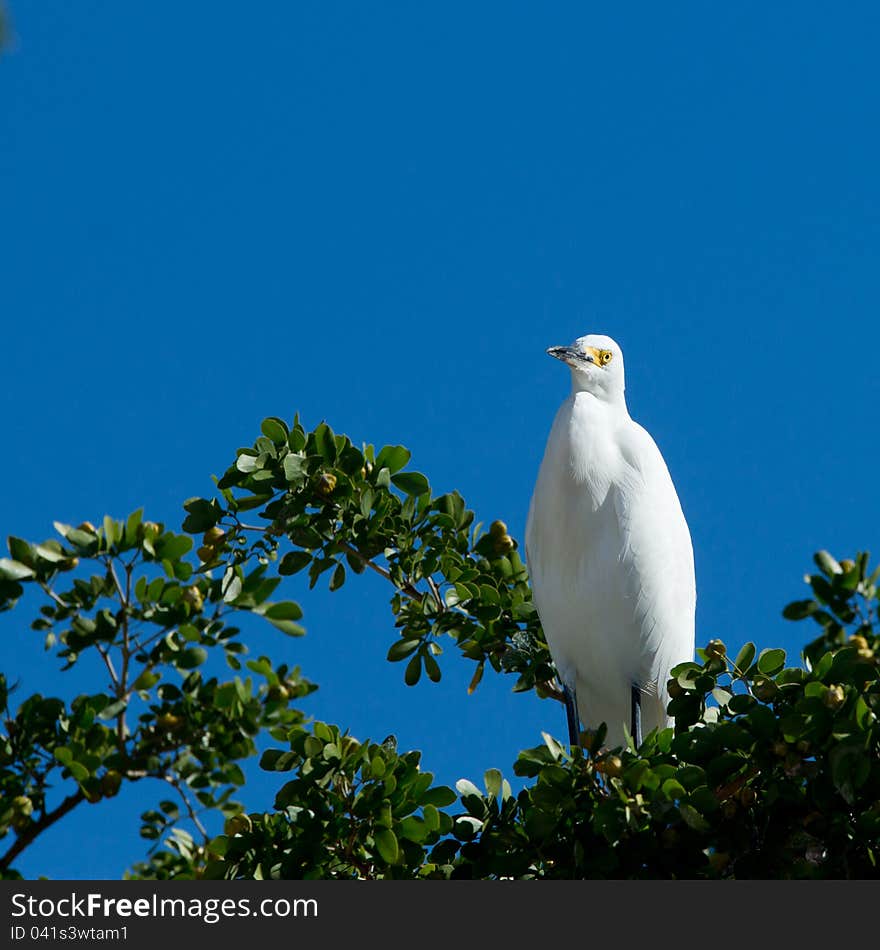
(381, 216)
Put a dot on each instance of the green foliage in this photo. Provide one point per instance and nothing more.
(772, 770)
(330, 508)
(352, 810)
(125, 596)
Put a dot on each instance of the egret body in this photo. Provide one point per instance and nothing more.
(609, 553)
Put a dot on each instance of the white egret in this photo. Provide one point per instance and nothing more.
(609, 553)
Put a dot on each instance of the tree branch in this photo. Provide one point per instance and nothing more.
(38, 827)
(406, 588)
(175, 783)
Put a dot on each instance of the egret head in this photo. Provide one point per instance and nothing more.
(596, 363)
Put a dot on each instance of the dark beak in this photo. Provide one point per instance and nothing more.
(568, 354)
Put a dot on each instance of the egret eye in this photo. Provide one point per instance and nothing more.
(605, 357)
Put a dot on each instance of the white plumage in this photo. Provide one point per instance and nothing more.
(608, 550)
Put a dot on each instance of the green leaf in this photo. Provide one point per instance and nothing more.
(113, 530)
(745, 657)
(386, 845)
(771, 661)
(827, 564)
(247, 502)
(325, 442)
(190, 658)
(693, 818)
(413, 483)
(283, 610)
(439, 796)
(50, 551)
(413, 671)
(393, 457)
(21, 550)
(799, 609)
(432, 668)
(201, 515)
(401, 649)
(246, 461)
(337, 579)
(146, 680)
(466, 788)
(14, 570)
(132, 524)
(113, 710)
(294, 561)
(295, 469)
(172, 547)
(289, 627)
(673, 789)
(414, 829)
(275, 430)
(493, 781)
(850, 767)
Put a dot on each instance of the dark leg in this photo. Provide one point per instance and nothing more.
(636, 708)
(571, 715)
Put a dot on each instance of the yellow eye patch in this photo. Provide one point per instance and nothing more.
(602, 357)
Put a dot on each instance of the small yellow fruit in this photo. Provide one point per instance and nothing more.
(326, 484)
(747, 795)
(497, 529)
(213, 536)
(834, 697)
(110, 783)
(22, 805)
(675, 689)
(237, 824)
(169, 722)
(193, 597)
(588, 740)
(278, 693)
(866, 655)
(765, 690)
(715, 649)
(611, 766)
(206, 554)
(859, 642)
(503, 544)
(847, 565)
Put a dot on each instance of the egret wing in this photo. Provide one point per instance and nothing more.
(656, 557)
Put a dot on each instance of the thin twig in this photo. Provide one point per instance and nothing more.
(406, 588)
(175, 782)
(115, 578)
(58, 600)
(108, 662)
(435, 591)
